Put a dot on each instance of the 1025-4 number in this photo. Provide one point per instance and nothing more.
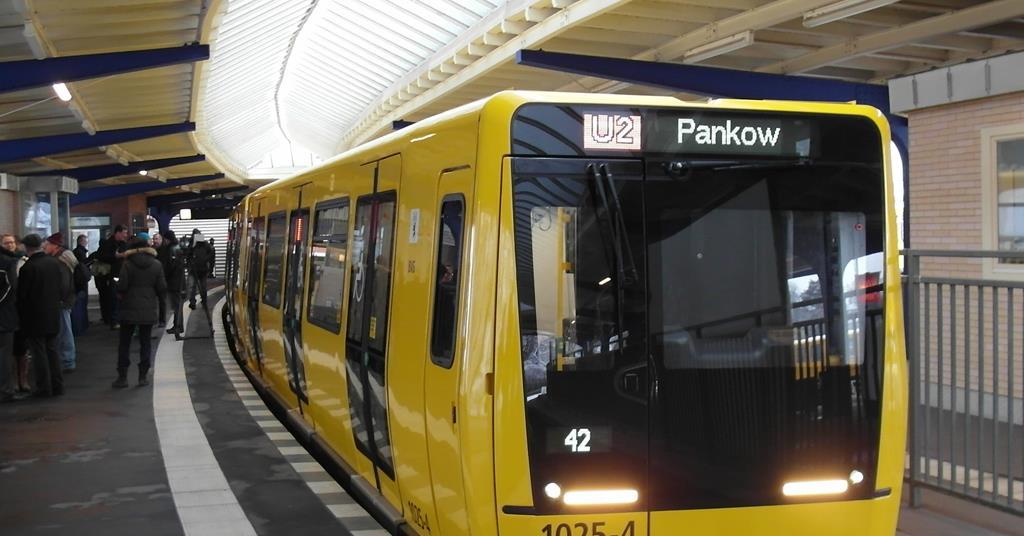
(595, 528)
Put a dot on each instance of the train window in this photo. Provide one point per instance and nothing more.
(276, 229)
(327, 276)
(446, 281)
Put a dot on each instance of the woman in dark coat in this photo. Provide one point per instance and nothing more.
(140, 282)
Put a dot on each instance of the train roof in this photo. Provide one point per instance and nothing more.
(506, 102)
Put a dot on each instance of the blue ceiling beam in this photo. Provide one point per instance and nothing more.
(102, 193)
(710, 81)
(170, 199)
(24, 148)
(95, 173)
(25, 74)
(220, 202)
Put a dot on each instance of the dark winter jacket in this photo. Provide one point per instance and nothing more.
(173, 262)
(202, 259)
(140, 282)
(40, 287)
(81, 253)
(8, 291)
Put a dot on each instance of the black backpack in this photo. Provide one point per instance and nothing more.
(201, 257)
(82, 276)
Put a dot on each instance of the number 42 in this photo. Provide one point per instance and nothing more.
(578, 440)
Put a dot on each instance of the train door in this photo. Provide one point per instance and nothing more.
(254, 276)
(366, 349)
(442, 375)
(576, 330)
(293, 297)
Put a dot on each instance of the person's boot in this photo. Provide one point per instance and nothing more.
(143, 376)
(122, 379)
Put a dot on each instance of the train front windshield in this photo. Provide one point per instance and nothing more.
(699, 326)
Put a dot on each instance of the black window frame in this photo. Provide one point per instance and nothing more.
(446, 360)
(281, 215)
(316, 239)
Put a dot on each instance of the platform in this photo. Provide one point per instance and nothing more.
(199, 453)
(196, 453)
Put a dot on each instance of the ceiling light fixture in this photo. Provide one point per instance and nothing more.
(719, 47)
(841, 10)
(62, 92)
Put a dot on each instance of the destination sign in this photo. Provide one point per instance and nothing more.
(735, 134)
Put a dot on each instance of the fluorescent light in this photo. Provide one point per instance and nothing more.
(841, 10)
(553, 490)
(604, 281)
(719, 47)
(62, 91)
(143, 172)
(185, 214)
(815, 487)
(600, 496)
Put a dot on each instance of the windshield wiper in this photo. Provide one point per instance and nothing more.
(611, 207)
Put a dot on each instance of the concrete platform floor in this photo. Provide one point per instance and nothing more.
(92, 462)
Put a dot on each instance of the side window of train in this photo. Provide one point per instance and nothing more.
(276, 234)
(446, 281)
(327, 264)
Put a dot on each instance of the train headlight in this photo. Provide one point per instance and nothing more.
(856, 477)
(600, 496)
(553, 490)
(815, 487)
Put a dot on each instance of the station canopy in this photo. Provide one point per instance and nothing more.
(290, 83)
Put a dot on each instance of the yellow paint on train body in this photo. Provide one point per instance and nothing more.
(446, 442)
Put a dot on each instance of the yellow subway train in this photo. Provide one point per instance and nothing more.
(556, 314)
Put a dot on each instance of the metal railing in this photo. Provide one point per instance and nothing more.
(965, 344)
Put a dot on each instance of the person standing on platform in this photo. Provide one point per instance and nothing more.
(201, 266)
(157, 244)
(80, 313)
(40, 288)
(172, 260)
(140, 281)
(8, 316)
(9, 243)
(54, 246)
(107, 261)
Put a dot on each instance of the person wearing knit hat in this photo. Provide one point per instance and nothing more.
(56, 239)
(54, 246)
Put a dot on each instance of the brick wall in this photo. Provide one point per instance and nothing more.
(9, 210)
(976, 343)
(119, 210)
(945, 175)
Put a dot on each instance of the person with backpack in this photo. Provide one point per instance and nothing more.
(201, 265)
(72, 280)
(172, 259)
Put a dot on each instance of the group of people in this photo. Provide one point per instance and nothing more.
(138, 279)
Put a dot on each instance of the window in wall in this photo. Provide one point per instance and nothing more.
(1009, 168)
(328, 255)
(275, 259)
(446, 281)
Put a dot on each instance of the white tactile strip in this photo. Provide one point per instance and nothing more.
(334, 497)
(202, 496)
